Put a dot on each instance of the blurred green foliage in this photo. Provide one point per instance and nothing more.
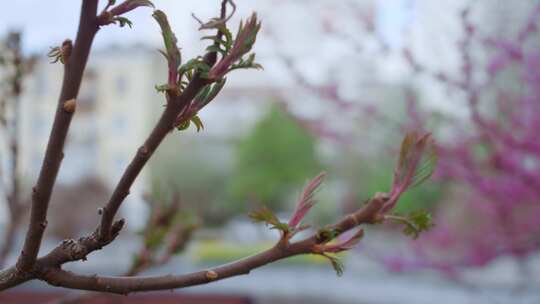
(276, 157)
(363, 175)
(380, 180)
(187, 166)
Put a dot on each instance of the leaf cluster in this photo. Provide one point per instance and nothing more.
(265, 215)
(414, 223)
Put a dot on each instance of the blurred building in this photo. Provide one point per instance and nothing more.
(116, 109)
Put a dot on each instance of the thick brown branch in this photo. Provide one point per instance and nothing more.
(124, 285)
(144, 261)
(73, 72)
(67, 251)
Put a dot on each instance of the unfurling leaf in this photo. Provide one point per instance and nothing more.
(61, 53)
(265, 215)
(162, 88)
(418, 221)
(209, 93)
(306, 200)
(216, 23)
(128, 5)
(216, 88)
(248, 63)
(167, 88)
(114, 14)
(123, 21)
(55, 54)
(195, 65)
(417, 161)
(173, 55)
(183, 125)
(243, 43)
(415, 222)
(223, 42)
(340, 246)
(336, 264)
(201, 97)
(426, 165)
(198, 122)
(325, 235)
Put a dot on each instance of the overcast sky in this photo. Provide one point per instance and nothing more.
(46, 23)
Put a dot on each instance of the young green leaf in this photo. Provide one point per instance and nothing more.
(208, 94)
(56, 55)
(195, 65)
(336, 264)
(184, 125)
(197, 122)
(418, 221)
(123, 21)
(243, 43)
(173, 55)
(216, 23)
(325, 235)
(265, 215)
(248, 63)
(415, 222)
(417, 161)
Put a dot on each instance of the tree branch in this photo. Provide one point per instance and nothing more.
(148, 256)
(73, 72)
(71, 250)
(179, 100)
(175, 105)
(369, 214)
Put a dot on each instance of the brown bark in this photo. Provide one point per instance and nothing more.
(124, 285)
(73, 72)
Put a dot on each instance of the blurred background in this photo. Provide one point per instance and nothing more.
(343, 81)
